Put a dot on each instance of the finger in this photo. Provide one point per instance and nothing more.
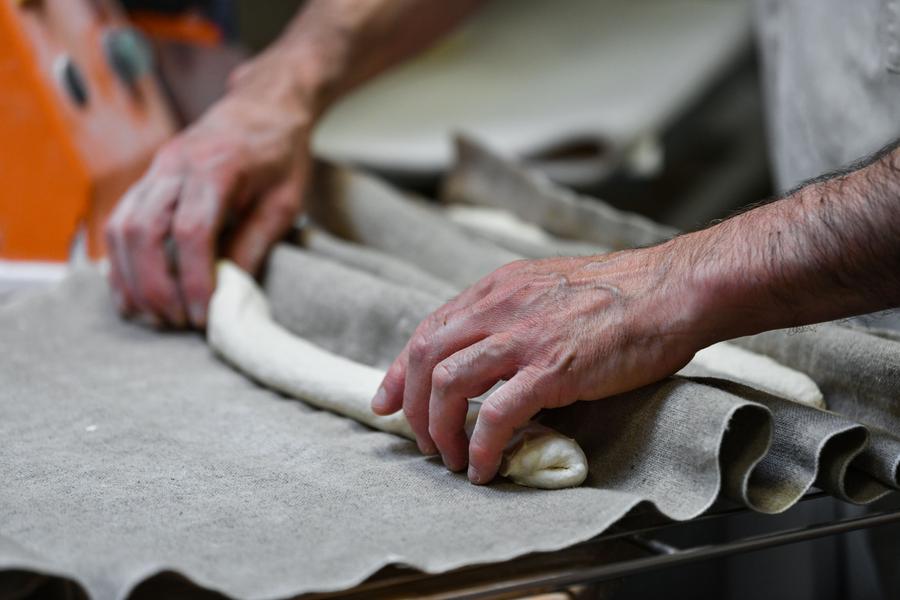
(266, 223)
(124, 224)
(122, 227)
(116, 276)
(389, 397)
(439, 336)
(505, 410)
(119, 291)
(197, 221)
(147, 230)
(466, 374)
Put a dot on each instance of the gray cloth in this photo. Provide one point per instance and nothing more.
(375, 262)
(361, 209)
(347, 311)
(835, 357)
(128, 452)
(482, 178)
(832, 82)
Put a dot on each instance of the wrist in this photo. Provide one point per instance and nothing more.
(704, 291)
(728, 280)
(302, 72)
(308, 64)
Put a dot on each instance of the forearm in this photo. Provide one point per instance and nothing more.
(829, 250)
(334, 45)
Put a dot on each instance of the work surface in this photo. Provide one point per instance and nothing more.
(127, 452)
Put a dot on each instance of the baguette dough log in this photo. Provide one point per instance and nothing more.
(242, 331)
(732, 362)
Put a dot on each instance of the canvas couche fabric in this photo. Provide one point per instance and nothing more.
(127, 452)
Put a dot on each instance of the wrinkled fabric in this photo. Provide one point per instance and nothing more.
(128, 452)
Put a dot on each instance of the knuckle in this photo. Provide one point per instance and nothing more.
(443, 377)
(479, 453)
(415, 415)
(284, 211)
(187, 231)
(419, 347)
(131, 231)
(493, 414)
(435, 320)
(501, 350)
(565, 362)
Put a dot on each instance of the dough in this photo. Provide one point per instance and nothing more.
(509, 231)
(242, 331)
(734, 363)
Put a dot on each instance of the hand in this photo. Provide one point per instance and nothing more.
(556, 331)
(231, 183)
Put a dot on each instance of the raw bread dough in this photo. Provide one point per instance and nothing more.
(242, 331)
(757, 371)
(509, 231)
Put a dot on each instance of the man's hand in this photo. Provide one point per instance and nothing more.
(568, 329)
(556, 331)
(231, 183)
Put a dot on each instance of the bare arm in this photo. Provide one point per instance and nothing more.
(232, 183)
(567, 329)
(828, 250)
(335, 45)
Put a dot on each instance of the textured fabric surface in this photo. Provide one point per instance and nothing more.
(127, 452)
(484, 179)
(859, 373)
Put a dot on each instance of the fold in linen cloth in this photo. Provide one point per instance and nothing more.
(128, 452)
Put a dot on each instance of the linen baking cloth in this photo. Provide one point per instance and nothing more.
(127, 452)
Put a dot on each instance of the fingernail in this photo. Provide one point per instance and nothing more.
(379, 402)
(456, 467)
(426, 449)
(474, 476)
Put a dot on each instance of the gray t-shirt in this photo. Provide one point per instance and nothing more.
(832, 82)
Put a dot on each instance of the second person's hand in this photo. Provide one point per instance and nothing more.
(231, 184)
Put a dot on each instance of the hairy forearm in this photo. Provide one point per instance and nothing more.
(334, 45)
(828, 250)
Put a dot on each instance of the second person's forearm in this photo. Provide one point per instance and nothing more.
(334, 45)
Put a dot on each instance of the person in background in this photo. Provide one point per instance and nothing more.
(557, 330)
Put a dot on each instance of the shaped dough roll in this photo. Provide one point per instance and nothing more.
(734, 363)
(241, 330)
